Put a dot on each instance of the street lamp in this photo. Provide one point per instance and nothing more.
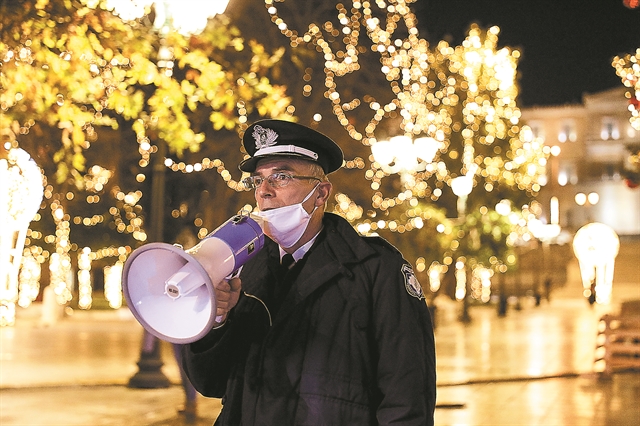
(461, 187)
(21, 192)
(587, 200)
(185, 17)
(401, 154)
(596, 246)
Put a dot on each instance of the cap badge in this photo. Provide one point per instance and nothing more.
(264, 137)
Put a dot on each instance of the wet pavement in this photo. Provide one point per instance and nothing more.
(535, 366)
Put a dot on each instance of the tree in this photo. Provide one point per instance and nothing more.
(628, 69)
(363, 74)
(93, 99)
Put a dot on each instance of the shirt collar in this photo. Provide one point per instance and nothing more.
(299, 254)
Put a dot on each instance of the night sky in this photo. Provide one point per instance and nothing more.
(566, 45)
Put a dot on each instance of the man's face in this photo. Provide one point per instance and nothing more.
(268, 197)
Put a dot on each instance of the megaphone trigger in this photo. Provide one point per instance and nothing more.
(234, 274)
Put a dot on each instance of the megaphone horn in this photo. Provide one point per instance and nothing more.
(170, 291)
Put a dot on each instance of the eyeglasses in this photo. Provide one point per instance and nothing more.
(276, 180)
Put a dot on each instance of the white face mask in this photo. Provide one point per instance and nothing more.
(285, 225)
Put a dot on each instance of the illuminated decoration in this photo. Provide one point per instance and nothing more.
(84, 279)
(20, 196)
(596, 246)
(113, 284)
(436, 272)
(631, 4)
(401, 154)
(628, 69)
(347, 208)
(429, 86)
(463, 98)
(461, 279)
(631, 168)
(481, 284)
(177, 14)
(60, 262)
(29, 279)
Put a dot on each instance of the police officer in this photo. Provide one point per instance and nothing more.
(323, 326)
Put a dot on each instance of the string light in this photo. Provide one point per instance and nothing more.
(462, 97)
(29, 279)
(628, 69)
(429, 86)
(113, 284)
(85, 289)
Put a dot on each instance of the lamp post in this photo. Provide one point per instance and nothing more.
(461, 187)
(186, 17)
(596, 246)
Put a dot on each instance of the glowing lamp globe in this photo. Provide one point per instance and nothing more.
(596, 246)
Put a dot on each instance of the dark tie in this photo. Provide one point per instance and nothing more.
(282, 285)
(287, 261)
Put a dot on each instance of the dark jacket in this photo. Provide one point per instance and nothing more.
(352, 343)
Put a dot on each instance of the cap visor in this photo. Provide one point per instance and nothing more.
(249, 165)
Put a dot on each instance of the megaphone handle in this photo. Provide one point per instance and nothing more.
(232, 275)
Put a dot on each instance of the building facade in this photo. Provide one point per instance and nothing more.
(591, 143)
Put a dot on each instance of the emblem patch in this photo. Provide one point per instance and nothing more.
(264, 137)
(411, 282)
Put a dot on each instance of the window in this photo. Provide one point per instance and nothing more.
(610, 129)
(567, 173)
(537, 129)
(567, 131)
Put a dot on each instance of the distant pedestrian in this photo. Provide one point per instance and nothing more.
(187, 239)
(190, 408)
(592, 292)
(547, 289)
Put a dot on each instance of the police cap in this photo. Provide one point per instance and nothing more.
(269, 138)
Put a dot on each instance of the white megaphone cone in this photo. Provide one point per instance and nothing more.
(170, 291)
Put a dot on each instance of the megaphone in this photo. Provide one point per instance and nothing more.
(170, 291)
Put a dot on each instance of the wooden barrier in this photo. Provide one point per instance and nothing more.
(618, 342)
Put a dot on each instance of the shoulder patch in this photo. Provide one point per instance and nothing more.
(411, 282)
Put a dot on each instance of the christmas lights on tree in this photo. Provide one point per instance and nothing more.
(462, 98)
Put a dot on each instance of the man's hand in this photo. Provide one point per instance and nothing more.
(227, 294)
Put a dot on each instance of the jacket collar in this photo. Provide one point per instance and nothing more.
(337, 249)
(335, 253)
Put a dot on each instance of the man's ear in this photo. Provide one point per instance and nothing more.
(323, 193)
